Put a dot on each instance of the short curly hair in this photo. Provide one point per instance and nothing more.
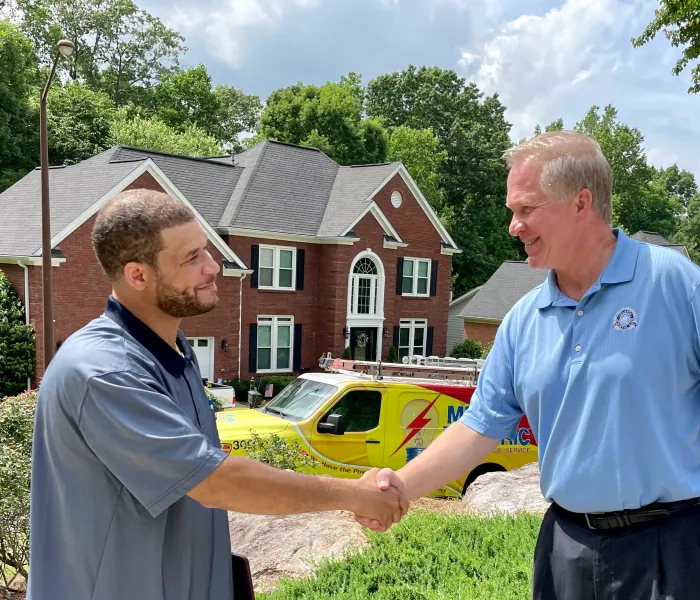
(128, 228)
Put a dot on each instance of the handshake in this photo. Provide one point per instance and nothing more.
(380, 499)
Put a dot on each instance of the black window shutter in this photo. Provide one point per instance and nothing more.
(429, 342)
(399, 275)
(396, 336)
(300, 268)
(433, 278)
(254, 264)
(297, 347)
(253, 349)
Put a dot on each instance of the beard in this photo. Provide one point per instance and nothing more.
(181, 303)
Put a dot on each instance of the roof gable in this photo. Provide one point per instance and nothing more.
(511, 281)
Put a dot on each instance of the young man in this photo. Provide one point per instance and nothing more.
(129, 484)
(604, 359)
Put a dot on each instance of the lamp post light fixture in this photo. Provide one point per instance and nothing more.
(65, 48)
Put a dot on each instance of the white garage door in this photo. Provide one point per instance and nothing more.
(204, 351)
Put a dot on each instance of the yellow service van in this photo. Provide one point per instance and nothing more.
(360, 415)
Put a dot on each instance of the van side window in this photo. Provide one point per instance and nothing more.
(360, 409)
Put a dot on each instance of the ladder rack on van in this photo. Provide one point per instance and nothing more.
(449, 370)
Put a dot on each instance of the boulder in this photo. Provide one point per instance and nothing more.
(506, 492)
(292, 546)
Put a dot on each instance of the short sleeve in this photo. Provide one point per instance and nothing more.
(494, 411)
(145, 440)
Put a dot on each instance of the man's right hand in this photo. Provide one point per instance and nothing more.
(388, 482)
(379, 504)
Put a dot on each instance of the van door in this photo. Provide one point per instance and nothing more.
(360, 437)
(412, 423)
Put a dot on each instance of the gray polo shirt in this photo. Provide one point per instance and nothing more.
(123, 431)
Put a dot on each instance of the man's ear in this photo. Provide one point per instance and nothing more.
(584, 201)
(137, 275)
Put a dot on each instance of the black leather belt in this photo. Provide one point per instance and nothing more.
(629, 517)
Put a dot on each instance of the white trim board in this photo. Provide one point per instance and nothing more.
(287, 237)
(31, 261)
(148, 166)
(377, 213)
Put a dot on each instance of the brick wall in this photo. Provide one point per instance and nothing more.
(482, 332)
(321, 307)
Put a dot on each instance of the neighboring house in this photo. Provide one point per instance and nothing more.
(485, 311)
(314, 257)
(455, 320)
(651, 237)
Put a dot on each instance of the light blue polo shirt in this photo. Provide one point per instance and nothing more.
(609, 384)
(123, 431)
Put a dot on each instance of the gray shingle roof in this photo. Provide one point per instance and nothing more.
(72, 190)
(511, 281)
(651, 237)
(205, 183)
(350, 196)
(288, 190)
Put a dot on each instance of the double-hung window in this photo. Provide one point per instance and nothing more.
(416, 277)
(413, 334)
(277, 266)
(275, 344)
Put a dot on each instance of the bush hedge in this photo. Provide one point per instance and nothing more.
(242, 386)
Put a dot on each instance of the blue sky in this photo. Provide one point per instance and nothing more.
(545, 59)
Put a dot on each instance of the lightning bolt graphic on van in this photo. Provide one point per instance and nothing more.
(416, 425)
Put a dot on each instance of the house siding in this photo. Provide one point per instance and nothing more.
(455, 325)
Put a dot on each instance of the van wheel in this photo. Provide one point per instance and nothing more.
(479, 471)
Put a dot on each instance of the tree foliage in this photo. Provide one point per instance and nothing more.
(19, 123)
(17, 347)
(328, 117)
(680, 22)
(154, 134)
(119, 48)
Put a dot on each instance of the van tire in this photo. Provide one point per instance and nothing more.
(479, 471)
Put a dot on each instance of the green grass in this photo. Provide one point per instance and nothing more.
(430, 557)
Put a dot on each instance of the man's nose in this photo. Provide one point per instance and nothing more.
(211, 267)
(516, 226)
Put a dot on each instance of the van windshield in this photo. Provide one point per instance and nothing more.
(300, 399)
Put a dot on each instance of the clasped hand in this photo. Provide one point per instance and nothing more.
(382, 500)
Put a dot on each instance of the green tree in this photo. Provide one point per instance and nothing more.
(472, 130)
(17, 347)
(689, 230)
(641, 200)
(119, 48)
(153, 134)
(328, 117)
(19, 123)
(469, 348)
(79, 122)
(187, 98)
(680, 23)
(419, 150)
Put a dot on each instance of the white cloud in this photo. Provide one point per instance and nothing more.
(225, 26)
(561, 62)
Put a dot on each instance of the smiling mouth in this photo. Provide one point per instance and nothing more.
(531, 242)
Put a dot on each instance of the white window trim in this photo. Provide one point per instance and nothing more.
(275, 321)
(193, 342)
(412, 325)
(276, 267)
(377, 317)
(414, 287)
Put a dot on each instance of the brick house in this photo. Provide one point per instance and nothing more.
(315, 257)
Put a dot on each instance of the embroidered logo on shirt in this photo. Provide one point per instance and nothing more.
(625, 319)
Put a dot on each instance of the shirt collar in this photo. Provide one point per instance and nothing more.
(620, 268)
(169, 359)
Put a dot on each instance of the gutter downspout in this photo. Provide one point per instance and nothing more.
(240, 324)
(26, 306)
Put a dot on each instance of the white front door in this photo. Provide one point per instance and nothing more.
(204, 351)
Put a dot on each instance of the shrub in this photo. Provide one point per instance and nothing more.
(242, 386)
(280, 452)
(469, 348)
(487, 349)
(16, 426)
(393, 356)
(347, 353)
(17, 347)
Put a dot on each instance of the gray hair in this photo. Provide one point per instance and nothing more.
(570, 162)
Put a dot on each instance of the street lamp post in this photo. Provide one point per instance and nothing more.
(65, 48)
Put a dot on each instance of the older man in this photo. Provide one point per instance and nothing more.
(604, 359)
(129, 484)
